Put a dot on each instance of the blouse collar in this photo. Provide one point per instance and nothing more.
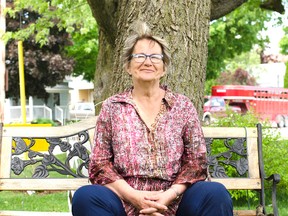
(126, 96)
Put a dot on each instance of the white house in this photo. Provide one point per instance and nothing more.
(80, 90)
(61, 99)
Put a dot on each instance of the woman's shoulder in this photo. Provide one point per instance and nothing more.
(181, 96)
(172, 96)
(124, 96)
(184, 101)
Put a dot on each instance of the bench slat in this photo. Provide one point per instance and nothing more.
(42, 184)
(253, 160)
(244, 212)
(74, 183)
(61, 131)
(5, 157)
(229, 132)
(239, 183)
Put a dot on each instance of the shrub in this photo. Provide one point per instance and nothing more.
(44, 121)
(275, 150)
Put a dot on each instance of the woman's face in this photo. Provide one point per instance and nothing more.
(147, 70)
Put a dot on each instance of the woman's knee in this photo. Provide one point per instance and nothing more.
(206, 198)
(83, 195)
(96, 200)
(214, 191)
(220, 199)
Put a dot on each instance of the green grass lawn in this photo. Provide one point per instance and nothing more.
(40, 201)
(57, 201)
(281, 203)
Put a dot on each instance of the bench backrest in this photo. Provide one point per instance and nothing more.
(236, 164)
(68, 141)
(238, 156)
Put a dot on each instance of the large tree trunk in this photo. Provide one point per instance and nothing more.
(184, 24)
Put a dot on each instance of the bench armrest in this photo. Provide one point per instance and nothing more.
(275, 180)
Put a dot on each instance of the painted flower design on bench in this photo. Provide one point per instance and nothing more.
(229, 157)
(41, 172)
(49, 161)
(18, 165)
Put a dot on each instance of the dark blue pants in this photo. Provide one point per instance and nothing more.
(201, 199)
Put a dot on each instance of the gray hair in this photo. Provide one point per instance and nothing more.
(140, 30)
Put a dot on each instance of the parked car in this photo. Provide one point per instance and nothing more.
(215, 108)
(82, 111)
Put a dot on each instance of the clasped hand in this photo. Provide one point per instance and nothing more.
(153, 203)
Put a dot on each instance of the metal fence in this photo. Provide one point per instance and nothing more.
(13, 113)
(61, 113)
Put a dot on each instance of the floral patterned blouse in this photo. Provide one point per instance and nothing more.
(171, 151)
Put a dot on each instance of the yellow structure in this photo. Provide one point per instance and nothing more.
(40, 144)
(22, 81)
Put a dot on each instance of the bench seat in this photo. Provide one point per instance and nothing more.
(241, 150)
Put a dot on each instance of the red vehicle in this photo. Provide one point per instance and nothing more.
(215, 108)
(268, 103)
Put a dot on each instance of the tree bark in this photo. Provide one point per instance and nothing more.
(185, 26)
(105, 13)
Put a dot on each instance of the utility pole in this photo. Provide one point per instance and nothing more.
(2, 65)
(22, 81)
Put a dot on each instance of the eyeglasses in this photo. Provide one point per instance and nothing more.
(154, 58)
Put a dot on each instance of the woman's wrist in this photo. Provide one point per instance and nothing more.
(177, 194)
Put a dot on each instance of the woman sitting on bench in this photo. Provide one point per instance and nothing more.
(149, 155)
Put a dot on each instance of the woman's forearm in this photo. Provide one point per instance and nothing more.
(122, 189)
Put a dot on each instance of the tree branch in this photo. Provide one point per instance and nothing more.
(220, 8)
(274, 5)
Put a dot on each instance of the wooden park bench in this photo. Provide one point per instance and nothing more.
(241, 155)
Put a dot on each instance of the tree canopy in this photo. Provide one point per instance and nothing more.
(237, 39)
(284, 50)
(234, 34)
(238, 77)
(84, 52)
(231, 33)
(56, 43)
(284, 42)
(44, 65)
